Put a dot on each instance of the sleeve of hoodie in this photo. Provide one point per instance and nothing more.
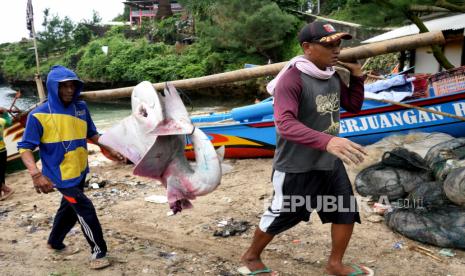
(91, 129)
(352, 96)
(286, 110)
(32, 134)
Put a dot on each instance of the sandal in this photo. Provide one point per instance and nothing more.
(7, 195)
(66, 251)
(243, 270)
(99, 263)
(359, 270)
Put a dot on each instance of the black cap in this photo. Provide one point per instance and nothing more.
(322, 32)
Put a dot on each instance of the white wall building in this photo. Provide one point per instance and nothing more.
(453, 28)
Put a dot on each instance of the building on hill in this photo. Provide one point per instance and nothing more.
(453, 28)
(147, 9)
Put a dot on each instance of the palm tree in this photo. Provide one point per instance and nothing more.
(164, 9)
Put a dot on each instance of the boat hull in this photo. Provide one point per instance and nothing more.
(12, 135)
(371, 125)
(258, 139)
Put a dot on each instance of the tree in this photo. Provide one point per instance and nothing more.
(292, 4)
(406, 8)
(199, 8)
(57, 35)
(82, 35)
(382, 13)
(254, 26)
(164, 9)
(96, 19)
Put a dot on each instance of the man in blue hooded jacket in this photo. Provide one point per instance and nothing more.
(60, 127)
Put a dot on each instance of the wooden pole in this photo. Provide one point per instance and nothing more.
(445, 114)
(393, 45)
(37, 78)
(350, 54)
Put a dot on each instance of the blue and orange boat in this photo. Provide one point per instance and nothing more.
(249, 131)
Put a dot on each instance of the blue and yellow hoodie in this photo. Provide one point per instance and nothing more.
(60, 132)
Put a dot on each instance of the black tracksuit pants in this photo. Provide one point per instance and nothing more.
(3, 157)
(76, 206)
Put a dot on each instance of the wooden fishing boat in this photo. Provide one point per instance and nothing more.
(12, 135)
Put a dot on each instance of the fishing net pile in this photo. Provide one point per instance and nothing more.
(428, 194)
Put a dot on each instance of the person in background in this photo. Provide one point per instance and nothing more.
(5, 121)
(308, 162)
(60, 128)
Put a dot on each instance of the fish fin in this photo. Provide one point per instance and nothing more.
(119, 137)
(220, 152)
(156, 159)
(177, 120)
(173, 127)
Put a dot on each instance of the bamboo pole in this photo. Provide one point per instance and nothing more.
(37, 78)
(445, 114)
(350, 54)
(425, 251)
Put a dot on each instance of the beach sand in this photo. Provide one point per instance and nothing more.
(143, 240)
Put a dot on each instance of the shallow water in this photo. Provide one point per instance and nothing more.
(108, 113)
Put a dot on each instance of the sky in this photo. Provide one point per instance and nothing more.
(13, 18)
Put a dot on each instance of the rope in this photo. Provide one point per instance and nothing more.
(419, 108)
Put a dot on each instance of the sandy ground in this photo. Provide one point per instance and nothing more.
(143, 240)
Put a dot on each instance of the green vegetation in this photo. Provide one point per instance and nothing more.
(226, 35)
(257, 26)
(382, 64)
(213, 36)
(382, 13)
(393, 12)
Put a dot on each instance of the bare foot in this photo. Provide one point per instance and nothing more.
(342, 270)
(254, 264)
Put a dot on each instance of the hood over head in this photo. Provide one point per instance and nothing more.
(58, 74)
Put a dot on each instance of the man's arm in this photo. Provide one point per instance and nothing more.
(286, 104)
(93, 135)
(41, 182)
(352, 97)
(115, 154)
(351, 100)
(286, 108)
(30, 141)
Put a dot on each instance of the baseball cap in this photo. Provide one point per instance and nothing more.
(322, 32)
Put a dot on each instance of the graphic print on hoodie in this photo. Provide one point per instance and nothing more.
(60, 132)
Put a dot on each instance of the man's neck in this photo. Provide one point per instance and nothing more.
(309, 58)
(66, 104)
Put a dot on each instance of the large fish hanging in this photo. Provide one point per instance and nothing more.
(153, 138)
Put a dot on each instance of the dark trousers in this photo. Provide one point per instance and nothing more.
(76, 206)
(2, 167)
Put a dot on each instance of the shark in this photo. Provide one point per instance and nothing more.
(153, 138)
